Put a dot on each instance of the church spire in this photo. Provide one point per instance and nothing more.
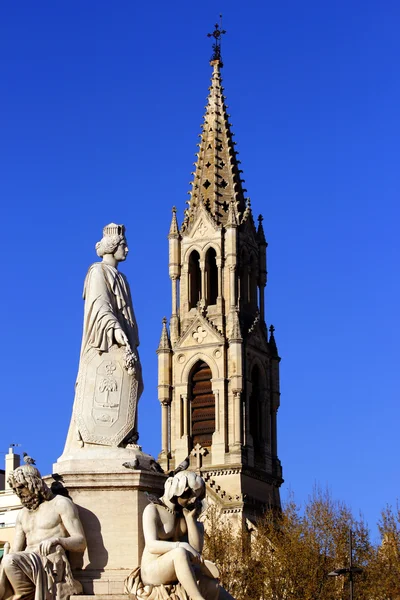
(218, 376)
(217, 177)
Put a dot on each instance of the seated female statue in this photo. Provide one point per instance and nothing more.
(173, 544)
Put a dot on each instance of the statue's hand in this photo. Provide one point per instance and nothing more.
(196, 557)
(45, 547)
(190, 514)
(121, 338)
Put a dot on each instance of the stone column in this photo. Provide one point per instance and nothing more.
(219, 441)
(217, 410)
(232, 273)
(219, 267)
(237, 432)
(219, 295)
(174, 322)
(174, 296)
(247, 437)
(245, 431)
(203, 280)
(179, 423)
(164, 427)
(164, 354)
(185, 414)
(185, 291)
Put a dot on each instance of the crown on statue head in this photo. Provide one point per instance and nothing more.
(113, 229)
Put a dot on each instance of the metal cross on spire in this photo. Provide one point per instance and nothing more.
(216, 34)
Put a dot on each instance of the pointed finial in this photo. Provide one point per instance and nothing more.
(174, 229)
(236, 334)
(165, 343)
(247, 211)
(216, 34)
(232, 220)
(260, 231)
(272, 342)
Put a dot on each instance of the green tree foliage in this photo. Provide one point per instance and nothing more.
(288, 556)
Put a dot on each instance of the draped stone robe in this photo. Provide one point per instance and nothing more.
(31, 576)
(108, 306)
(105, 406)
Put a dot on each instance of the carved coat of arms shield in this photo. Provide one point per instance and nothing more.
(106, 398)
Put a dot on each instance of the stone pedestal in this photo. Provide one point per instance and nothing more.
(110, 501)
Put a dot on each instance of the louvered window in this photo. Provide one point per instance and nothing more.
(202, 406)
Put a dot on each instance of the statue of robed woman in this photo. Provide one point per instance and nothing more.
(109, 381)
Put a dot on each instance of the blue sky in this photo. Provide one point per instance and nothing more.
(100, 109)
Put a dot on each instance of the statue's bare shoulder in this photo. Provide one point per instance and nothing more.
(151, 509)
(64, 505)
(21, 514)
(151, 512)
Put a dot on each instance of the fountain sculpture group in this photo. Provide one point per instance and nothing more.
(84, 533)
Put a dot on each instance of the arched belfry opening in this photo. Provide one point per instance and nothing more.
(202, 405)
(194, 279)
(211, 277)
(257, 421)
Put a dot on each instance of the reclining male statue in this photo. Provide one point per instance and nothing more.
(47, 527)
(171, 567)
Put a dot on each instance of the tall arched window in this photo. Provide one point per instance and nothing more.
(202, 405)
(211, 277)
(194, 279)
(255, 408)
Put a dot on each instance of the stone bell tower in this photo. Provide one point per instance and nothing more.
(218, 381)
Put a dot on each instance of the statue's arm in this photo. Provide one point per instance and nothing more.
(19, 536)
(76, 540)
(153, 545)
(195, 530)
